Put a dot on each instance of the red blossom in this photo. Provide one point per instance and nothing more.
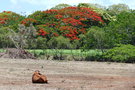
(83, 30)
(71, 21)
(42, 32)
(7, 11)
(28, 21)
(55, 34)
(51, 11)
(3, 20)
(58, 16)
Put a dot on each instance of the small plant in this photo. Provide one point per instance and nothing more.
(121, 53)
(96, 57)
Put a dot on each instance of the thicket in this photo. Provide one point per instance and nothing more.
(85, 26)
(121, 53)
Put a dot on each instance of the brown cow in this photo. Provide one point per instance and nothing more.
(39, 78)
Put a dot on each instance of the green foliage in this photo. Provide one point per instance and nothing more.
(69, 22)
(69, 54)
(24, 37)
(94, 57)
(2, 50)
(121, 53)
(117, 9)
(59, 42)
(71, 27)
(95, 38)
(122, 31)
(38, 15)
(8, 18)
(61, 6)
(4, 39)
(41, 43)
(100, 10)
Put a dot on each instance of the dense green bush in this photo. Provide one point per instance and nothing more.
(100, 10)
(117, 8)
(87, 26)
(4, 39)
(24, 38)
(96, 38)
(96, 57)
(59, 42)
(121, 53)
(41, 43)
(122, 31)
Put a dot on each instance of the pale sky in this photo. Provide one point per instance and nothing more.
(29, 6)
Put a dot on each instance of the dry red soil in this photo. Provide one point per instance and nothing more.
(16, 74)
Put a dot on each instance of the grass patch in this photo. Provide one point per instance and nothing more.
(2, 50)
(66, 52)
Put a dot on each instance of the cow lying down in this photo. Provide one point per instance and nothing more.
(37, 77)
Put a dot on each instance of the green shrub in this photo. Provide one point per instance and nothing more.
(59, 42)
(41, 43)
(24, 37)
(121, 53)
(96, 57)
(4, 39)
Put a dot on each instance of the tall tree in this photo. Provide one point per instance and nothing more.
(98, 9)
(117, 8)
(95, 38)
(60, 6)
(123, 30)
(69, 22)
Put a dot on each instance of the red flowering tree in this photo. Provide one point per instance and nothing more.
(69, 22)
(8, 18)
(28, 21)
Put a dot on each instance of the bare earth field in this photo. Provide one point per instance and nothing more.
(16, 74)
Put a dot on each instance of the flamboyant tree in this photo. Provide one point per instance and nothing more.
(8, 18)
(68, 22)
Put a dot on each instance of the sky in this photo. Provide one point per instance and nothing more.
(26, 7)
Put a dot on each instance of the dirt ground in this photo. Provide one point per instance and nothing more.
(16, 74)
